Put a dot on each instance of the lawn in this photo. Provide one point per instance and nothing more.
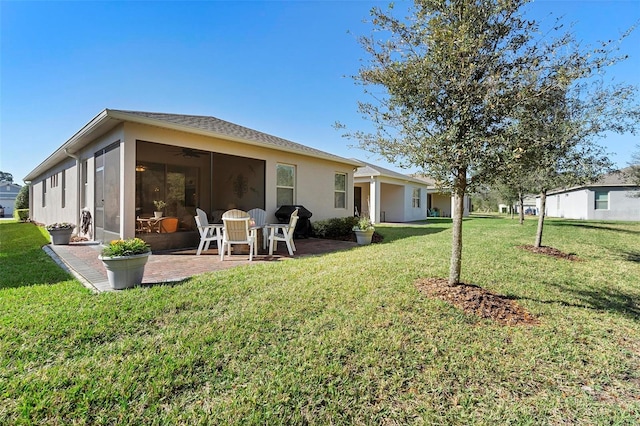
(344, 338)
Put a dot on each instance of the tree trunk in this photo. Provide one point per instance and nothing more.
(456, 235)
(521, 207)
(543, 207)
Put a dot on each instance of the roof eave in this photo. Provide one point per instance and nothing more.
(188, 129)
(72, 145)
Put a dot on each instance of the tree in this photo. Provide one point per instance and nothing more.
(449, 75)
(566, 108)
(22, 199)
(634, 172)
(6, 177)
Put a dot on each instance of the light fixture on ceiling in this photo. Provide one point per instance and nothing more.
(140, 168)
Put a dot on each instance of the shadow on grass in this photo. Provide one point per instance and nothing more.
(24, 263)
(590, 226)
(601, 299)
(394, 233)
(631, 256)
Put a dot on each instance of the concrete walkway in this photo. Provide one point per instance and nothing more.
(81, 260)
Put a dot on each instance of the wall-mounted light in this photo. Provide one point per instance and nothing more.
(140, 168)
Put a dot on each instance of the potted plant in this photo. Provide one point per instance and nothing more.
(124, 261)
(60, 232)
(160, 205)
(364, 231)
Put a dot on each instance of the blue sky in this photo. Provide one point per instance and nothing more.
(280, 67)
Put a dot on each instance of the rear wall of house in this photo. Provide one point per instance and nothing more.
(581, 204)
(53, 195)
(314, 177)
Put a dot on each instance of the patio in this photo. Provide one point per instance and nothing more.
(81, 259)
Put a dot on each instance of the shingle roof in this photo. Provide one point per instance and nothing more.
(373, 170)
(616, 178)
(204, 125)
(227, 129)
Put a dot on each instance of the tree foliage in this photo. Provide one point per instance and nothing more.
(566, 107)
(22, 199)
(6, 177)
(634, 172)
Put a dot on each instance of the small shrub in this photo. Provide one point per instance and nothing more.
(21, 214)
(130, 247)
(60, 225)
(334, 228)
(364, 224)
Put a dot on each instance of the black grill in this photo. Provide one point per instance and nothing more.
(303, 227)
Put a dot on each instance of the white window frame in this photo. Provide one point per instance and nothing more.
(415, 200)
(598, 201)
(339, 191)
(292, 188)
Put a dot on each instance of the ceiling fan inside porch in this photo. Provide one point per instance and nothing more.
(190, 153)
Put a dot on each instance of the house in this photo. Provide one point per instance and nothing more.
(8, 193)
(439, 200)
(120, 162)
(613, 197)
(388, 196)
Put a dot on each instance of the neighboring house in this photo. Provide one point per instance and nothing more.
(613, 197)
(439, 200)
(387, 196)
(120, 162)
(8, 193)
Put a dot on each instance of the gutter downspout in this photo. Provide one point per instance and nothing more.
(78, 176)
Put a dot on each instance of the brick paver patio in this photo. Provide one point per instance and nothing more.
(82, 261)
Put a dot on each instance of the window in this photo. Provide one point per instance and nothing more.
(85, 184)
(416, 198)
(285, 185)
(602, 200)
(340, 191)
(64, 188)
(44, 193)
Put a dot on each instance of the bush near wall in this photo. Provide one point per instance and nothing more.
(21, 214)
(334, 228)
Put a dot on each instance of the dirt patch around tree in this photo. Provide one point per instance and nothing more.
(550, 251)
(477, 301)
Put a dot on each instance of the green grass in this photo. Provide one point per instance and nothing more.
(343, 338)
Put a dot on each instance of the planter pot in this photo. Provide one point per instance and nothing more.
(61, 236)
(157, 215)
(364, 237)
(126, 271)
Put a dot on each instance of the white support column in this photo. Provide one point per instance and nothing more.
(127, 186)
(374, 200)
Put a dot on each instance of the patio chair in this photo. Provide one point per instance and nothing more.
(237, 231)
(167, 225)
(208, 232)
(259, 218)
(283, 232)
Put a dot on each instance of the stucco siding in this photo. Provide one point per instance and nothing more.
(314, 177)
(581, 204)
(570, 205)
(622, 205)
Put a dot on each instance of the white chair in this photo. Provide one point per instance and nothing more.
(283, 232)
(237, 231)
(259, 218)
(208, 232)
